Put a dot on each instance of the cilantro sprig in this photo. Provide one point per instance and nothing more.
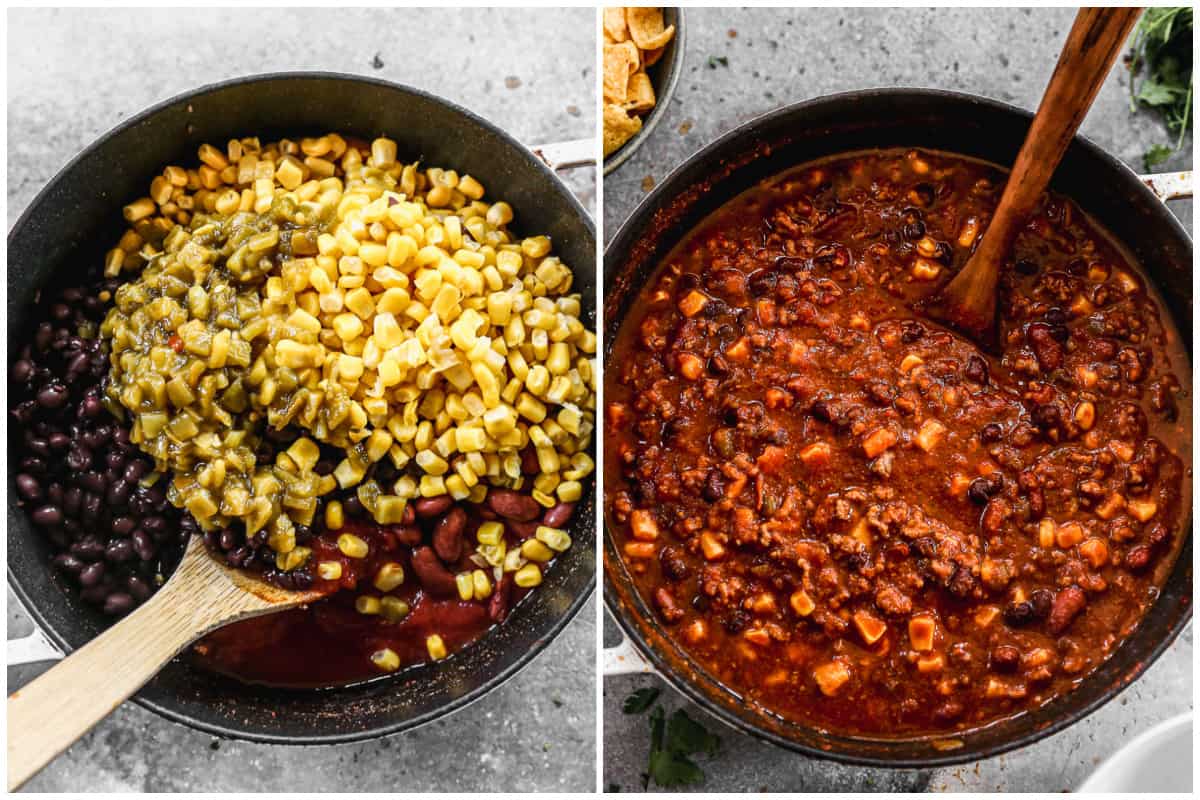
(1162, 57)
(673, 741)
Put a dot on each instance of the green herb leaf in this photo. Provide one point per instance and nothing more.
(714, 61)
(671, 769)
(686, 736)
(640, 700)
(1154, 93)
(1156, 155)
(1162, 55)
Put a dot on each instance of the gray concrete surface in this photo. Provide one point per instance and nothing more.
(73, 74)
(777, 56)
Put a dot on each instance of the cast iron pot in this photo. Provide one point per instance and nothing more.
(972, 126)
(78, 215)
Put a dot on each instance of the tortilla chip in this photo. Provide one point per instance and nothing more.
(651, 57)
(641, 92)
(620, 61)
(619, 128)
(615, 29)
(646, 27)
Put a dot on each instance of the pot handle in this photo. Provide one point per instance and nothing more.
(567, 155)
(32, 649)
(624, 659)
(1169, 185)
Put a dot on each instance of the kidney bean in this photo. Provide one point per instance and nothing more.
(448, 535)
(432, 574)
(409, 535)
(1067, 605)
(498, 604)
(559, 515)
(513, 505)
(428, 507)
(522, 530)
(1139, 557)
(529, 462)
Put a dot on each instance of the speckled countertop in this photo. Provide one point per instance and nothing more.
(778, 56)
(72, 75)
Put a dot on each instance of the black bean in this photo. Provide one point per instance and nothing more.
(144, 546)
(139, 587)
(123, 526)
(28, 487)
(1026, 267)
(136, 470)
(54, 395)
(68, 563)
(228, 539)
(47, 515)
(72, 499)
(119, 551)
(22, 371)
(91, 574)
(154, 525)
(79, 458)
(118, 603)
(118, 493)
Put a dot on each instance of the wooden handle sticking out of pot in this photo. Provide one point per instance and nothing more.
(968, 301)
(50, 713)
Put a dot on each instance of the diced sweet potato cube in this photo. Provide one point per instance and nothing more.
(777, 678)
(690, 366)
(932, 663)
(878, 440)
(801, 603)
(986, 615)
(925, 270)
(869, 627)
(1111, 506)
(1068, 535)
(859, 321)
(958, 485)
(692, 303)
(711, 546)
(921, 630)
(911, 362)
(1036, 658)
(831, 677)
(772, 459)
(757, 636)
(1046, 532)
(618, 415)
(640, 549)
(816, 454)
(930, 434)
(643, 525)
(696, 631)
(1085, 415)
(1095, 551)
(778, 398)
(1121, 450)
(739, 350)
(1142, 510)
(996, 688)
(861, 532)
(764, 603)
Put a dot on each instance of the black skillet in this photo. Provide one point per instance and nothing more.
(78, 215)
(880, 118)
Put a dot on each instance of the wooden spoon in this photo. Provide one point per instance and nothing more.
(50, 713)
(968, 302)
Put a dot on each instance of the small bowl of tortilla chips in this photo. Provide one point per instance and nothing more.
(643, 48)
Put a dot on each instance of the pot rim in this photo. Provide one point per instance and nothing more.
(524, 659)
(635, 223)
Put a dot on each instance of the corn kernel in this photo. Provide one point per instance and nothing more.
(528, 576)
(352, 546)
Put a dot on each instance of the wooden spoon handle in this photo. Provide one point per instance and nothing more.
(50, 713)
(46, 716)
(1095, 41)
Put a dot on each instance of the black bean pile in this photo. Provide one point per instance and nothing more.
(77, 474)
